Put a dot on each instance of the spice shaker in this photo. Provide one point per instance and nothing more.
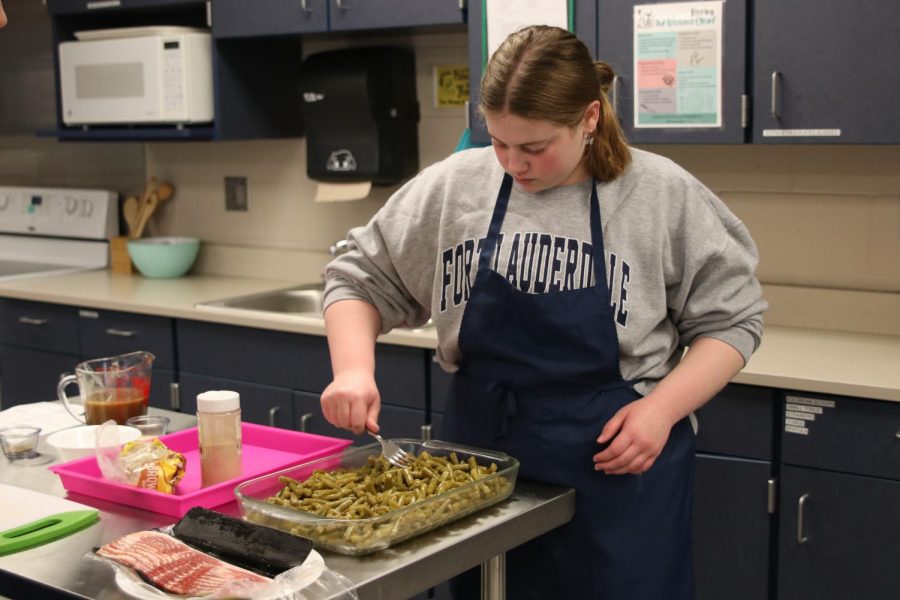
(219, 430)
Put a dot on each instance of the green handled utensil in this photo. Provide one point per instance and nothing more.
(45, 529)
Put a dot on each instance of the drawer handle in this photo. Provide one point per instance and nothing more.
(897, 435)
(121, 332)
(341, 4)
(801, 504)
(272, 412)
(304, 419)
(303, 6)
(32, 321)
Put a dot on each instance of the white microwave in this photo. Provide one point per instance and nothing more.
(139, 75)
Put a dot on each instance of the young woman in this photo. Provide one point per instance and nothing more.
(565, 273)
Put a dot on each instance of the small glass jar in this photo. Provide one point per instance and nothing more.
(219, 431)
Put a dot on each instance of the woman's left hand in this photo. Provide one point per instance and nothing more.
(638, 431)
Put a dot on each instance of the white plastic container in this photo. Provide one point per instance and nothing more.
(219, 431)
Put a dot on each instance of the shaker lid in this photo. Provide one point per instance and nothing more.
(218, 401)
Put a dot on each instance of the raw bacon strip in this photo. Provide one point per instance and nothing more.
(172, 565)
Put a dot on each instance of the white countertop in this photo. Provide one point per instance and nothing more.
(833, 362)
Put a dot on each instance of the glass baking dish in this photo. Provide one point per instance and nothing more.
(366, 535)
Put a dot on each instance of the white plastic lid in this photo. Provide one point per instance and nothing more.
(218, 401)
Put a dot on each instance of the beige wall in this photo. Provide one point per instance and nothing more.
(826, 220)
(32, 161)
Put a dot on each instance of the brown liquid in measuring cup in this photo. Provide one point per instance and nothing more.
(119, 404)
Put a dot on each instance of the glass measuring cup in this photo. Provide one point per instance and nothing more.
(115, 387)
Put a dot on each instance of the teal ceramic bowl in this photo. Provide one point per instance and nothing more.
(160, 257)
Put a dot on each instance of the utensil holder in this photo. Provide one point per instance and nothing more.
(119, 259)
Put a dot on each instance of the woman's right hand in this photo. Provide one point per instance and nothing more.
(352, 401)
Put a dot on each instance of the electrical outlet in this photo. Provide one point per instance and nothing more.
(236, 197)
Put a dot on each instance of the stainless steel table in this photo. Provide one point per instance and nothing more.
(59, 568)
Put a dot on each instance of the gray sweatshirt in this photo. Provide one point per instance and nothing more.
(679, 264)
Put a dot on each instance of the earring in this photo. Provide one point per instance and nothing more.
(588, 139)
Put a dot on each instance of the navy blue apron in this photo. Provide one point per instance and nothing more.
(538, 379)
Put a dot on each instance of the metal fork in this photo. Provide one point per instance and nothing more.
(393, 453)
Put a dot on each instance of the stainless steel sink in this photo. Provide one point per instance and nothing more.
(304, 300)
(299, 301)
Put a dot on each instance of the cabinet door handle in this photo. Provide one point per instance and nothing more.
(776, 77)
(32, 321)
(801, 504)
(174, 396)
(125, 333)
(772, 496)
(304, 419)
(426, 432)
(341, 4)
(304, 6)
(272, 412)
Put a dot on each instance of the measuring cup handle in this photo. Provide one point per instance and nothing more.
(64, 382)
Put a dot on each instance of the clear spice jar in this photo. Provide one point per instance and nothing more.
(219, 430)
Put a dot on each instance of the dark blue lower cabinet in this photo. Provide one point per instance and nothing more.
(839, 536)
(731, 528)
(260, 404)
(28, 375)
(395, 421)
(161, 381)
(441, 592)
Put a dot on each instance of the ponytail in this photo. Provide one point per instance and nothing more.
(608, 156)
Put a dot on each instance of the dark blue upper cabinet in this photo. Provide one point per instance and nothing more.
(239, 18)
(615, 45)
(585, 27)
(234, 18)
(65, 7)
(348, 15)
(826, 72)
(251, 102)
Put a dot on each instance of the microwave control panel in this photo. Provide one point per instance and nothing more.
(173, 79)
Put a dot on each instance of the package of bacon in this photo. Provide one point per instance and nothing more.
(173, 566)
(158, 564)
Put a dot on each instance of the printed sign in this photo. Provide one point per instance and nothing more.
(678, 64)
(451, 85)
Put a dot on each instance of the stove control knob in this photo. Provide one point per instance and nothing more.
(87, 208)
(71, 205)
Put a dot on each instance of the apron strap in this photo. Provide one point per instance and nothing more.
(490, 242)
(599, 258)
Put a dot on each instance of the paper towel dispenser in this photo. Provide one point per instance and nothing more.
(360, 114)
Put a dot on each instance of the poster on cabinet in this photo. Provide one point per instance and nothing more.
(678, 64)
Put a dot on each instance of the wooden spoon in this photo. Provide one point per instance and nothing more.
(165, 192)
(130, 212)
(152, 185)
(151, 205)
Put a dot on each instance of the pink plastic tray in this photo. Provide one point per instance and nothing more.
(264, 450)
